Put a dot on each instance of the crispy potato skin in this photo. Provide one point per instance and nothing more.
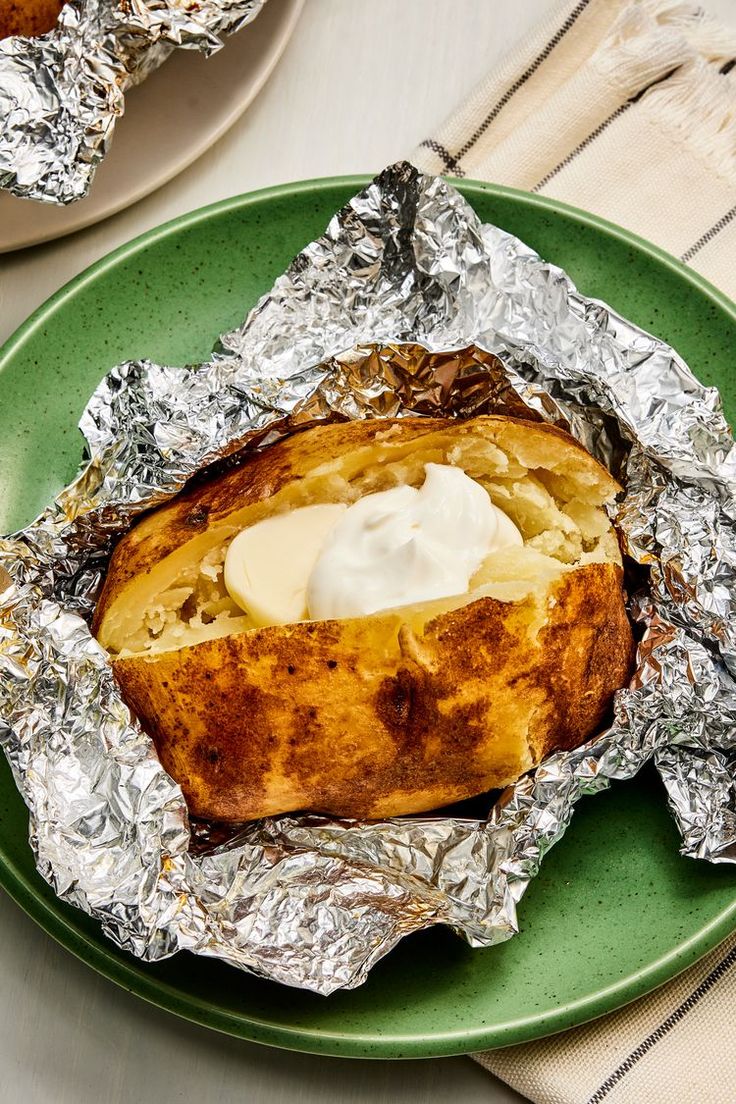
(366, 719)
(28, 17)
(370, 717)
(263, 474)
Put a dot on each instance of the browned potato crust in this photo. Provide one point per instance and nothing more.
(399, 712)
(358, 718)
(28, 17)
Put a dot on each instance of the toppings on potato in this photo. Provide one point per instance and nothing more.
(398, 711)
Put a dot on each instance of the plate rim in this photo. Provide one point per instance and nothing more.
(358, 181)
(130, 973)
(280, 40)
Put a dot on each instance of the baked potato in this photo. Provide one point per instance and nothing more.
(28, 17)
(401, 711)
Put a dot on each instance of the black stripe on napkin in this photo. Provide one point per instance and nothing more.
(672, 1020)
(709, 235)
(722, 222)
(600, 128)
(451, 161)
(444, 153)
(582, 145)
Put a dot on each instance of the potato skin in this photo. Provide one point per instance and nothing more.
(369, 717)
(28, 17)
(363, 718)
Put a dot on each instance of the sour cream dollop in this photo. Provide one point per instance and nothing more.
(407, 545)
(393, 548)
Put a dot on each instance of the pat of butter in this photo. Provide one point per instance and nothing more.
(268, 565)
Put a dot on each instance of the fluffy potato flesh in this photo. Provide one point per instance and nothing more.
(401, 711)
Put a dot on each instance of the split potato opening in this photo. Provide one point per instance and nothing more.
(400, 711)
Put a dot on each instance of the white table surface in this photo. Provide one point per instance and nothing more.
(360, 84)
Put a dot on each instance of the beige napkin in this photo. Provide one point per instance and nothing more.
(626, 108)
(675, 1046)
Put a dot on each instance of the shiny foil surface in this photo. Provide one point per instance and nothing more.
(61, 93)
(407, 303)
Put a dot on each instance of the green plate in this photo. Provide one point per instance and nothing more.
(616, 911)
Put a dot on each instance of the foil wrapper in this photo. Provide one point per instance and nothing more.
(406, 304)
(62, 93)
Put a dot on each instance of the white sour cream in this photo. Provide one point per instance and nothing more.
(393, 548)
(405, 545)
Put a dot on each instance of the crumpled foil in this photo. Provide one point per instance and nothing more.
(307, 900)
(61, 93)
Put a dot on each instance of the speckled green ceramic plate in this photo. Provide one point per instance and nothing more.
(615, 911)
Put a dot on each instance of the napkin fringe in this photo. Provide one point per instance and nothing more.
(637, 54)
(706, 34)
(651, 37)
(697, 106)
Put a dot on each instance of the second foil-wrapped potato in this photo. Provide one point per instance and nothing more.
(372, 618)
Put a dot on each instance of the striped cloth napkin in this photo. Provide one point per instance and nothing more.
(675, 1046)
(626, 108)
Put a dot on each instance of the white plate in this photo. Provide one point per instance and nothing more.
(169, 121)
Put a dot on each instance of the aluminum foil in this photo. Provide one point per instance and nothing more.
(311, 901)
(61, 93)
